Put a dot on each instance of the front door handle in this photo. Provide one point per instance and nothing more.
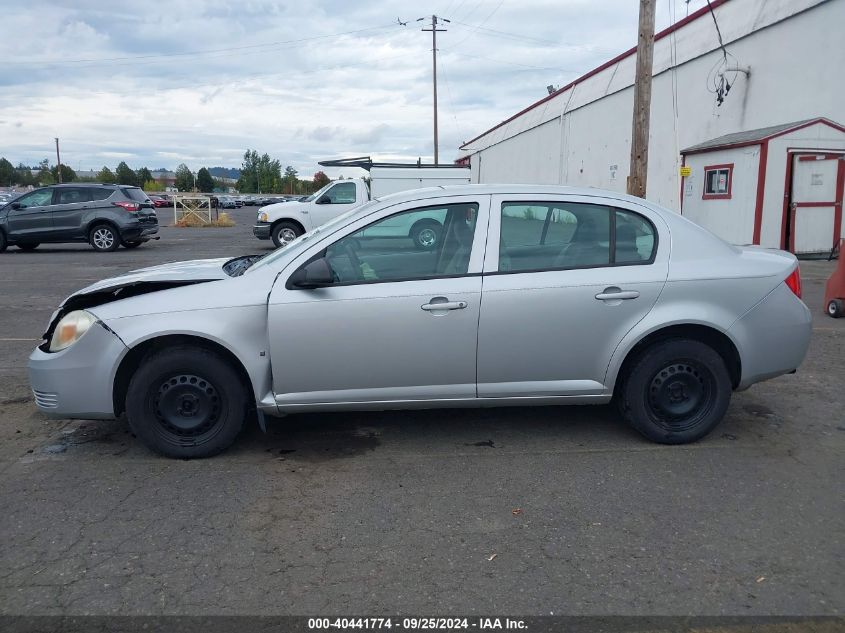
(615, 294)
(441, 303)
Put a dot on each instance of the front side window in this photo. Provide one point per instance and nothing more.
(389, 249)
(717, 181)
(537, 236)
(341, 193)
(39, 198)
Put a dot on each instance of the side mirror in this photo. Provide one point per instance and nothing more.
(15, 205)
(316, 274)
(324, 200)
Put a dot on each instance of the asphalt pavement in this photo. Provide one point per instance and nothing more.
(507, 511)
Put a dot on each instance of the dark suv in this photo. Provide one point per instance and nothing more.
(105, 216)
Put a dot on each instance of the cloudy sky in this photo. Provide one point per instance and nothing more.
(159, 83)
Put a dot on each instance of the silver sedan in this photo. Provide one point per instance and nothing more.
(535, 295)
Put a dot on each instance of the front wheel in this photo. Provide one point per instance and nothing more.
(284, 233)
(186, 402)
(676, 391)
(104, 238)
(836, 308)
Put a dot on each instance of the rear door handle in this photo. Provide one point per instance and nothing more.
(443, 305)
(615, 294)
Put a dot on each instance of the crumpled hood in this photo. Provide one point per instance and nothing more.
(189, 271)
(139, 282)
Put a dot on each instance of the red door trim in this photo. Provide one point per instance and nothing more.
(788, 213)
(786, 216)
(761, 190)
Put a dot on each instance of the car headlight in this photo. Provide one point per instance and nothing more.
(70, 329)
(262, 217)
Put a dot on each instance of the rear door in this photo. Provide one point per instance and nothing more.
(565, 278)
(71, 206)
(31, 221)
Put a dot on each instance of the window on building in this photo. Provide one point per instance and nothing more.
(717, 181)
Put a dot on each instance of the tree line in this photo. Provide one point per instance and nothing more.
(258, 174)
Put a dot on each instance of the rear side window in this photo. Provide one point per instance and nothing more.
(538, 236)
(98, 193)
(134, 193)
(72, 195)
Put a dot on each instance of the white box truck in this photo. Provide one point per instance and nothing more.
(285, 221)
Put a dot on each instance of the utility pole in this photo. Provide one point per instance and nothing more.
(58, 161)
(434, 30)
(642, 101)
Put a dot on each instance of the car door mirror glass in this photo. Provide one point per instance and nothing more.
(315, 274)
(17, 205)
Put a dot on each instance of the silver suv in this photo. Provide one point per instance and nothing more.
(105, 216)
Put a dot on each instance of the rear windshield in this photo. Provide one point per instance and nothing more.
(134, 193)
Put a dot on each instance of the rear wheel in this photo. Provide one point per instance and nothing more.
(836, 308)
(3, 242)
(104, 238)
(676, 391)
(133, 244)
(284, 233)
(426, 235)
(186, 402)
(28, 247)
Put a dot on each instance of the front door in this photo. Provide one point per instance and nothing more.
(338, 199)
(816, 209)
(565, 278)
(30, 218)
(399, 324)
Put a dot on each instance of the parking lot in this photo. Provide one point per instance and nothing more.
(522, 511)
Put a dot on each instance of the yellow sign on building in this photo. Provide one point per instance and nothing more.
(686, 170)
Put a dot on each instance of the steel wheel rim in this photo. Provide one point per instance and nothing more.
(680, 395)
(427, 237)
(831, 308)
(286, 236)
(103, 238)
(187, 409)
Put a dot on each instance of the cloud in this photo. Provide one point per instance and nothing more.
(159, 83)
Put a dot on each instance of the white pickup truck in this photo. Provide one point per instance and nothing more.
(284, 222)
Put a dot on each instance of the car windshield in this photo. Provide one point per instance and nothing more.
(298, 244)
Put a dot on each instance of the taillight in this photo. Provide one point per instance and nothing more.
(794, 282)
(132, 207)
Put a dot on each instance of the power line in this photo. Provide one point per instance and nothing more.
(516, 36)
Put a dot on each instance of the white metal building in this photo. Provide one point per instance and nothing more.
(783, 61)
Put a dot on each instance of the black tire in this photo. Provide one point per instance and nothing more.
(133, 244)
(31, 246)
(284, 232)
(836, 308)
(186, 402)
(426, 234)
(3, 242)
(676, 391)
(103, 238)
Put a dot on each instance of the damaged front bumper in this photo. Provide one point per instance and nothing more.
(77, 382)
